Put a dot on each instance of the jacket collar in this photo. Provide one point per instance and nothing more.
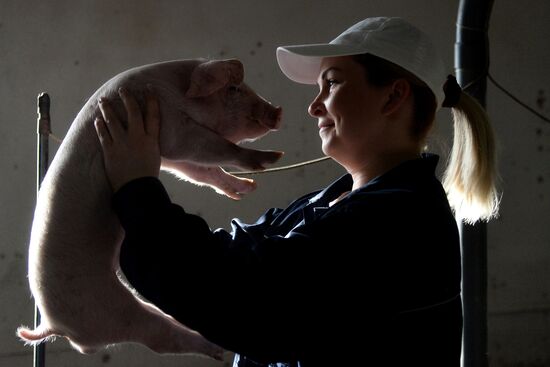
(406, 175)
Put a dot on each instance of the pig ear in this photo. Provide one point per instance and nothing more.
(213, 75)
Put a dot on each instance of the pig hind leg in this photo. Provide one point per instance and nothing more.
(163, 334)
(122, 317)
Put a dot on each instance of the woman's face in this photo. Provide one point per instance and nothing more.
(349, 112)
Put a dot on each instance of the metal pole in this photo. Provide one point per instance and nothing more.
(43, 130)
(471, 66)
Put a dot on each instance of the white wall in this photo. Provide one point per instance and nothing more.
(69, 48)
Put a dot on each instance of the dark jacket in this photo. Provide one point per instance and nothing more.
(375, 277)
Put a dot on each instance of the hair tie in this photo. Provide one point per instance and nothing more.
(452, 92)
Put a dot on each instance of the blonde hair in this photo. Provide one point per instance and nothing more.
(470, 176)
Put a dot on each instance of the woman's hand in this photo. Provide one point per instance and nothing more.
(133, 152)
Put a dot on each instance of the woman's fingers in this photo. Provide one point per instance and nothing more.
(103, 133)
(152, 118)
(131, 152)
(151, 125)
(112, 122)
(135, 118)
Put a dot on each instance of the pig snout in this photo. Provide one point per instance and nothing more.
(268, 115)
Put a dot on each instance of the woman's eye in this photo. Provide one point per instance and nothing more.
(331, 82)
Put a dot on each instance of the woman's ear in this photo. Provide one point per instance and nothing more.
(398, 92)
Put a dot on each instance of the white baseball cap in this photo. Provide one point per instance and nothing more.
(390, 38)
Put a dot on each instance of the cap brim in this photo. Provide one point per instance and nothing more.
(301, 63)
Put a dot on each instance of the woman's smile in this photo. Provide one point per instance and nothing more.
(325, 125)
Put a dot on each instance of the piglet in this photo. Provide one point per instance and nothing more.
(74, 273)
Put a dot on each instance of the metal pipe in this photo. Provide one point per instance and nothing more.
(43, 160)
(471, 66)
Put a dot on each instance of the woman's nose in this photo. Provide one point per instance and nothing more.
(316, 108)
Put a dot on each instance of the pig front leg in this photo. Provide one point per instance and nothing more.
(191, 141)
(215, 177)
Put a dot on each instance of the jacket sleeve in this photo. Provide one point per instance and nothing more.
(252, 297)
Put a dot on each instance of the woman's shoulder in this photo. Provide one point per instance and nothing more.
(393, 208)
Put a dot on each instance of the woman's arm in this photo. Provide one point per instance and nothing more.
(247, 296)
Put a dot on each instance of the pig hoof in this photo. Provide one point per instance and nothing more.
(209, 349)
(271, 156)
(237, 188)
(262, 158)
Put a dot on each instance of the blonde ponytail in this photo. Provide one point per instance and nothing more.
(470, 176)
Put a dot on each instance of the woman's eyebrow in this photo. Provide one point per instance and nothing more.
(323, 75)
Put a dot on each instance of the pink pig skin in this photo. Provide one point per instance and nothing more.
(75, 239)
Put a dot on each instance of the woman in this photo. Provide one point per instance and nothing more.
(366, 270)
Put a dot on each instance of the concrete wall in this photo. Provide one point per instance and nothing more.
(69, 48)
(519, 251)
